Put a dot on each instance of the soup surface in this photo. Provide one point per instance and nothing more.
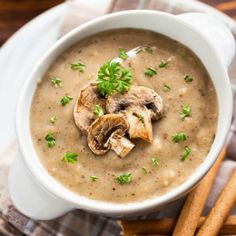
(182, 137)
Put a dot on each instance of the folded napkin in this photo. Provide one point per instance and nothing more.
(78, 222)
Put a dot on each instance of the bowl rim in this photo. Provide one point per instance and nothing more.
(56, 188)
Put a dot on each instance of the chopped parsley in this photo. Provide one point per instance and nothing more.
(188, 78)
(93, 178)
(98, 111)
(122, 54)
(112, 77)
(184, 55)
(163, 64)
(56, 81)
(89, 77)
(150, 72)
(140, 117)
(144, 170)
(66, 99)
(70, 157)
(77, 66)
(186, 153)
(186, 111)
(50, 140)
(155, 161)
(53, 120)
(124, 179)
(166, 88)
(179, 137)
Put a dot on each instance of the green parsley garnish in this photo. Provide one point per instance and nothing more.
(179, 137)
(166, 88)
(98, 111)
(186, 153)
(89, 77)
(150, 72)
(140, 117)
(186, 111)
(112, 77)
(66, 99)
(144, 170)
(124, 178)
(53, 120)
(184, 55)
(122, 54)
(93, 178)
(56, 81)
(188, 78)
(163, 64)
(155, 161)
(70, 157)
(51, 140)
(77, 66)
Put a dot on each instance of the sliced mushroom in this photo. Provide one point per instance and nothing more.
(140, 105)
(140, 122)
(85, 105)
(107, 132)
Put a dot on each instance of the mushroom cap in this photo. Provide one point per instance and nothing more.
(136, 96)
(84, 107)
(106, 126)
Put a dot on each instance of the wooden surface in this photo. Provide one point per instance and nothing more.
(15, 13)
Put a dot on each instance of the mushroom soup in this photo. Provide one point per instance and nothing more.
(129, 130)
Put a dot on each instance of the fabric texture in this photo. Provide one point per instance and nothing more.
(78, 222)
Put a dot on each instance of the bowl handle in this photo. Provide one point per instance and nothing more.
(215, 31)
(30, 198)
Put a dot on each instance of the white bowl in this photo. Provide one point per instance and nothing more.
(36, 194)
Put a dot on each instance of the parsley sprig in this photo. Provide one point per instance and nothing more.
(98, 111)
(155, 161)
(186, 111)
(188, 78)
(122, 54)
(50, 140)
(70, 157)
(124, 179)
(163, 64)
(112, 77)
(66, 99)
(93, 178)
(166, 88)
(53, 120)
(179, 137)
(186, 153)
(140, 117)
(56, 81)
(150, 72)
(77, 66)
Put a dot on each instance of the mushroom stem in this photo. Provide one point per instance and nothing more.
(120, 145)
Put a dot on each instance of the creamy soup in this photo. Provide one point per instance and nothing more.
(180, 137)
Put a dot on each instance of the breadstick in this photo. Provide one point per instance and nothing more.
(166, 226)
(221, 209)
(195, 202)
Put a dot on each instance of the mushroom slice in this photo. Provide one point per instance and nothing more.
(141, 105)
(107, 132)
(85, 105)
(120, 145)
(138, 96)
(139, 120)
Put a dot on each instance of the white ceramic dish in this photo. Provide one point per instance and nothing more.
(38, 195)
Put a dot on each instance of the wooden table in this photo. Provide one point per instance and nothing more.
(15, 13)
